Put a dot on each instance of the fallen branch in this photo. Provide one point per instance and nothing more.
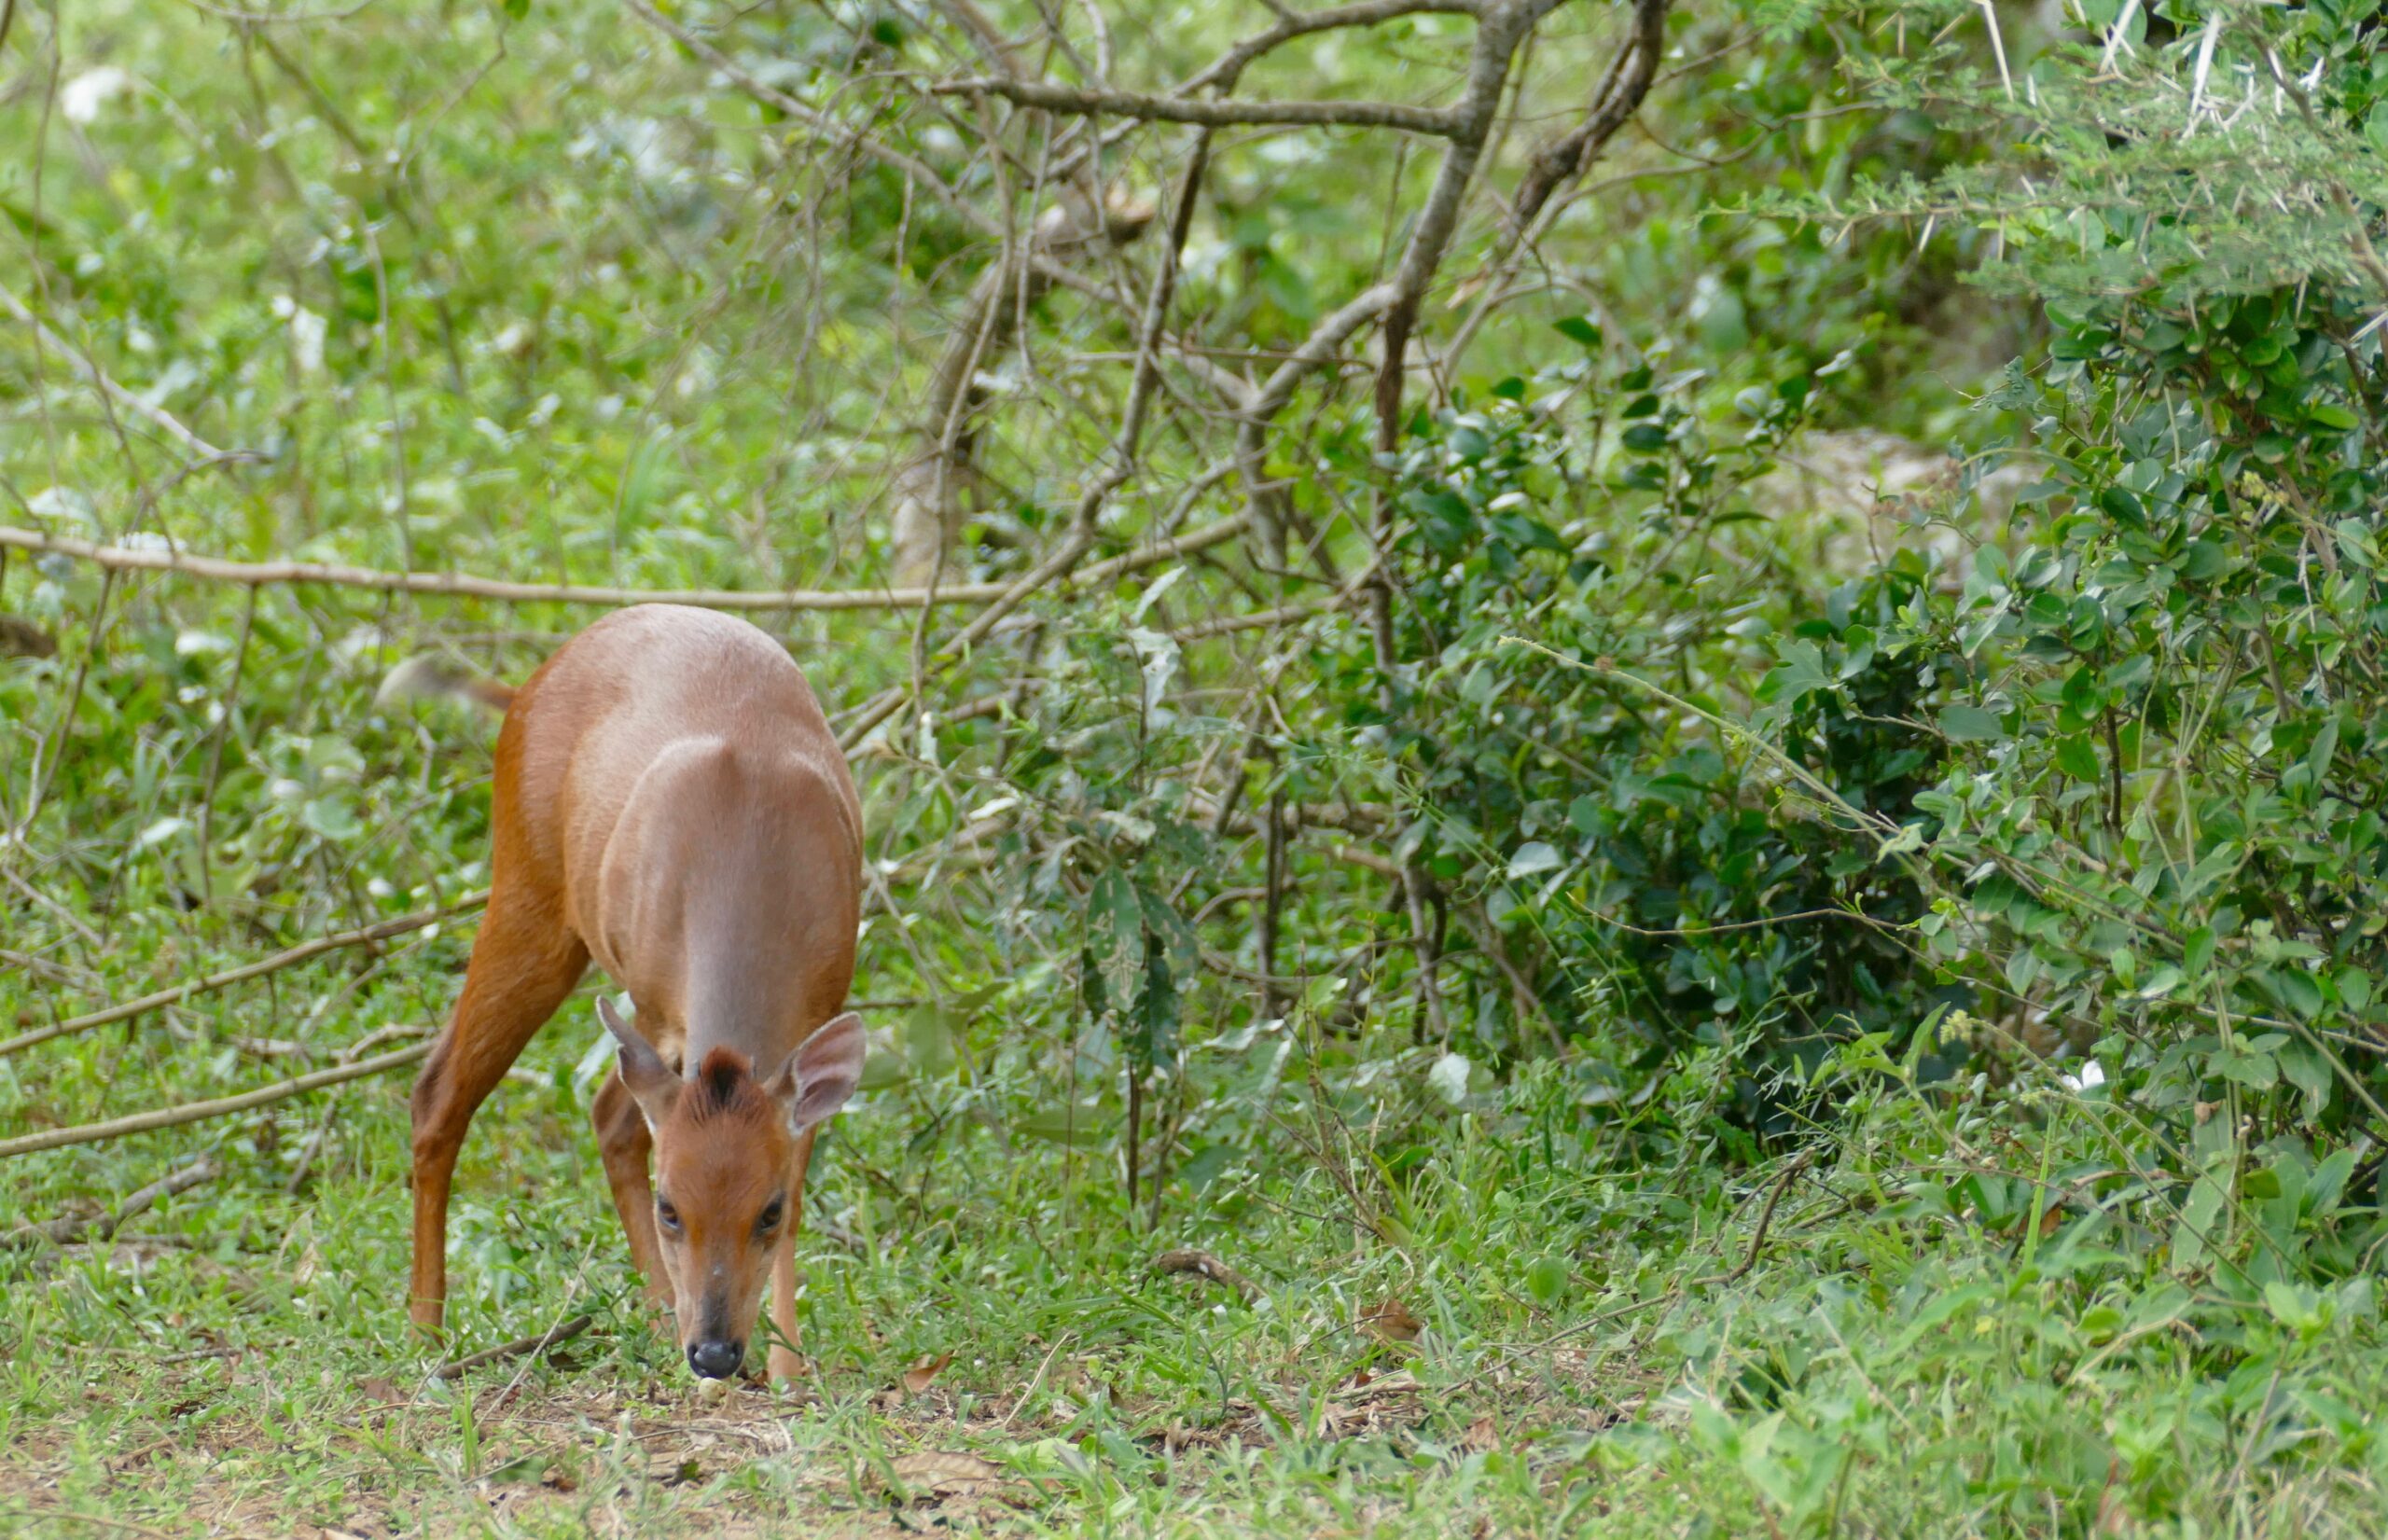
(222, 1106)
(1210, 1267)
(457, 586)
(74, 1228)
(279, 960)
(554, 1338)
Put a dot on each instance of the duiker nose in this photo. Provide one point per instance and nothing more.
(716, 1359)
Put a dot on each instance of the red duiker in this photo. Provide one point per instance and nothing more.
(670, 801)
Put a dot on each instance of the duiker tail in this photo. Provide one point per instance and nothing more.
(425, 676)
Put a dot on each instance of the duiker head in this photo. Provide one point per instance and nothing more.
(725, 1149)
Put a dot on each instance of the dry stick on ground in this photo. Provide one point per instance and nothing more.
(279, 960)
(195, 1112)
(137, 1202)
(1192, 1260)
(521, 1345)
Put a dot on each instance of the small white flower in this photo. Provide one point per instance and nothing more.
(1449, 1078)
(2091, 1077)
(307, 331)
(81, 99)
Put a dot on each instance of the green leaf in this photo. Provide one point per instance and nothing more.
(929, 1042)
(1579, 329)
(1534, 856)
(1115, 934)
(2077, 757)
(2200, 1224)
(330, 817)
(2305, 1068)
(1964, 724)
(1800, 675)
(1075, 1126)
(2254, 1071)
(2329, 1183)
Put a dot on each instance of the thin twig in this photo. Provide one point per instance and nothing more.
(1207, 112)
(1765, 1220)
(224, 1106)
(455, 585)
(69, 1229)
(1190, 1259)
(521, 1345)
(166, 421)
(279, 960)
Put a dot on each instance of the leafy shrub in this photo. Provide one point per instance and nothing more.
(2156, 816)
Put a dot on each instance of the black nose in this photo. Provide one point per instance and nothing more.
(716, 1360)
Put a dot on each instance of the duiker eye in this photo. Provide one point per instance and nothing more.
(772, 1213)
(668, 1216)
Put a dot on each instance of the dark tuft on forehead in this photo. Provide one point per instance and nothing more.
(724, 1083)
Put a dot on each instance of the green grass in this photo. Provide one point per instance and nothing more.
(580, 352)
(1606, 1347)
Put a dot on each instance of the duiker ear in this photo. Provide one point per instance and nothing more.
(821, 1073)
(652, 1083)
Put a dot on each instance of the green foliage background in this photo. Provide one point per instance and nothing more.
(1790, 872)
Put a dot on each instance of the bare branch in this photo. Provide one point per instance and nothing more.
(278, 961)
(1208, 113)
(457, 586)
(927, 492)
(1207, 1266)
(67, 1230)
(1615, 101)
(1230, 65)
(222, 1106)
(540, 1342)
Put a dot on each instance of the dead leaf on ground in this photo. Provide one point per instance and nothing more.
(925, 1370)
(1482, 1436)
(21, 638)
(945, 1473)
(379, 1391)
(1391, 1322)
(1364, 1387)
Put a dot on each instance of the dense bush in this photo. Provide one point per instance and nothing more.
(2156, 816)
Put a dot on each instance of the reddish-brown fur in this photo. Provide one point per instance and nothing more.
(669, 802)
